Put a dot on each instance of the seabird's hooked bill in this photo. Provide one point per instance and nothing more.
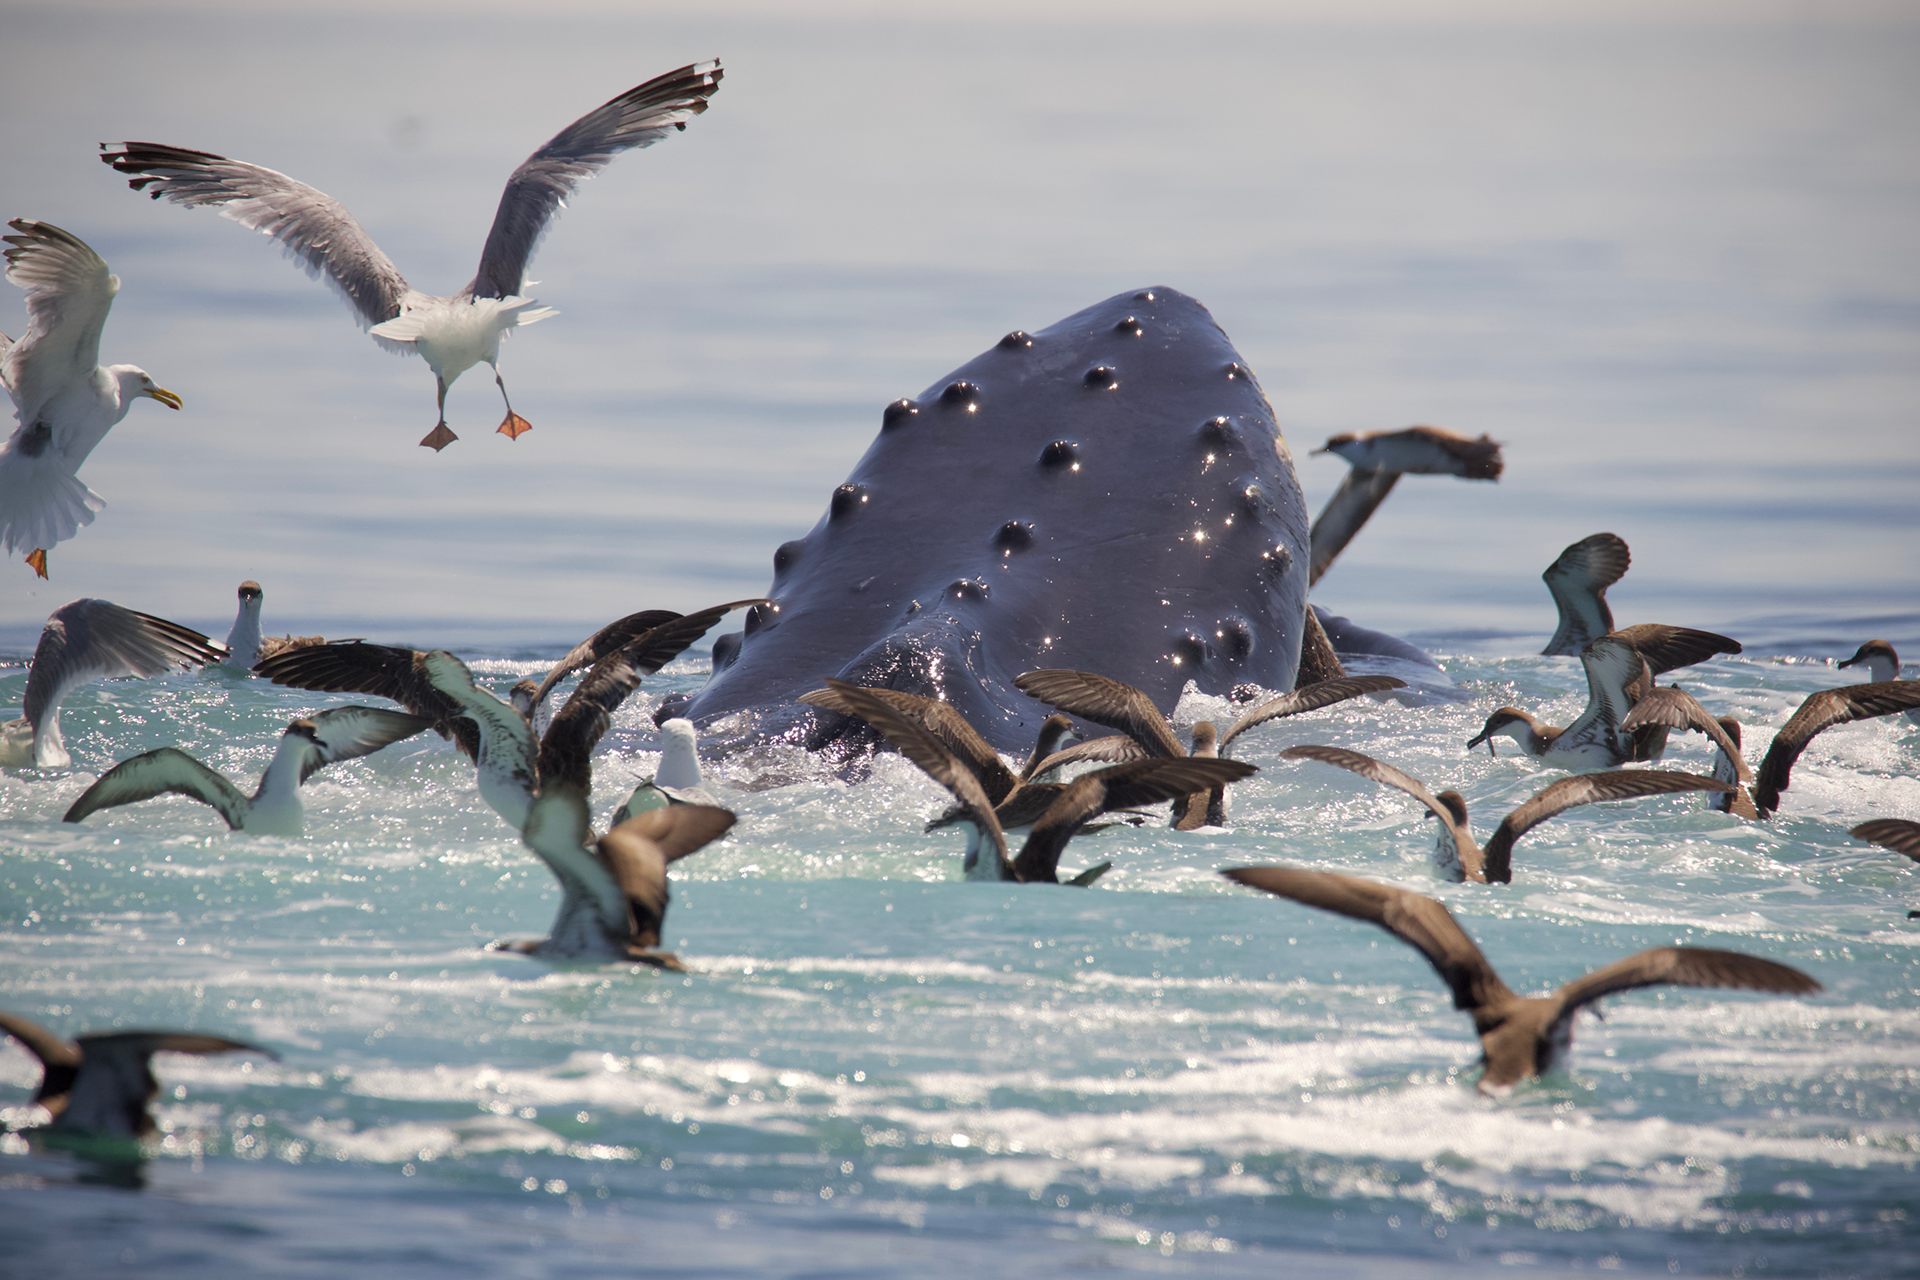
(1881, 662)
(1620, 668)
(614, 889)
(1822, 711)
(450, 334)
(1578, 580)
(1455, 852)
(1520, 1036)
(245, 644)
(1675, 708)
(308, 745)
(1378, 461)
(64, 402)
(102, 1083)
(89, 640)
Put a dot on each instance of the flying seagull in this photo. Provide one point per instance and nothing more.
(450, 334)
(1520, 1036)
(102, 1083)
(64, 402)
(1455, 852)
(308, 745)
(88, 640)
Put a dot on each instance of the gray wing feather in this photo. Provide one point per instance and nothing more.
(639, 117)
(69, 292)
(167, 771)
(99, 640)
(1104, 701)
(310, 225)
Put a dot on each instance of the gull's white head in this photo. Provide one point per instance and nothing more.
(134, 383)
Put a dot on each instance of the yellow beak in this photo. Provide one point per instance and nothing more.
(164, 396)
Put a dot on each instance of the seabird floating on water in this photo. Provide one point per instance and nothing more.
(63, 400)
(677, 780)
(245, 645)
(1578, 580)
(1378, 460)
(1520, 1036)
(1881, 662)
(102, 1083)
(1820, 712)
(450, 334)
(1455, 852)
(1620, 668)
(614, 889)
(1675, 708)
(89, 640)
(307, 746)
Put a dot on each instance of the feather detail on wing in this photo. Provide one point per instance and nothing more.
(639, 117)
(313, 227)
(166, 771)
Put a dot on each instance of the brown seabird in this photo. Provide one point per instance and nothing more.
(102, 1083)
(1455, 852)
(1822, 711)
(1520, 1036)
(1378, 460)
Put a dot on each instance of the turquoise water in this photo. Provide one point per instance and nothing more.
(874, 1066)
(1669, 263)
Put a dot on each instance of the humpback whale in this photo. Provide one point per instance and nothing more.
(1109, 494)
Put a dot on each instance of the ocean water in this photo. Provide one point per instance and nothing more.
(1663, 253)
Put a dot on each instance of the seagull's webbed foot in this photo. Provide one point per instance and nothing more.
(658, 959)
(38, 559)
(439, 438)
(442, 435)
(513, 426)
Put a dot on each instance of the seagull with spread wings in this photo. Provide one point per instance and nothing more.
(1520, 1036)
(64, 402)
(450, 334)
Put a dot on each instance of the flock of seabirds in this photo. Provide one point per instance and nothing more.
(614, 887)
